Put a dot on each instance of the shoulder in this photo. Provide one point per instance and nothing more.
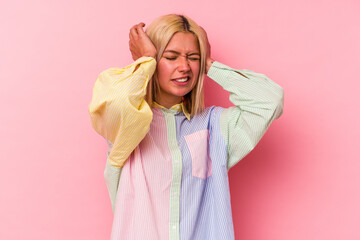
(208, 112)
(210, 116)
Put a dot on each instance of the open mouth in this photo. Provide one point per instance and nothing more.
(182, 80)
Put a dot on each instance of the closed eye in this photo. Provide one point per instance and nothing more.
(194, 58)
(189, 58)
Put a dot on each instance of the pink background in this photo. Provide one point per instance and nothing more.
(301, 182)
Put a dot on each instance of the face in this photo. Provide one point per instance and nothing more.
(178, 69)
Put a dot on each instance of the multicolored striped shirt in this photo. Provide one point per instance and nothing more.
(174, 182)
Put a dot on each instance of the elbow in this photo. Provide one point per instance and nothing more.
(278, 103)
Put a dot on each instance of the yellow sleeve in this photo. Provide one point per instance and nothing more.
(118, 110)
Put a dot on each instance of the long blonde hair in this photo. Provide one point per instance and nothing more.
(160, 31)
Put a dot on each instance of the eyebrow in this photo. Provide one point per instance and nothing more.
(175, 52)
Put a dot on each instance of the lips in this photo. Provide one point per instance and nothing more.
(181, 79)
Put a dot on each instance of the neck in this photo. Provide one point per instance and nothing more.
(169, 102)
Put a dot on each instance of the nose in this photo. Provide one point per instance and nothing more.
(183, 64)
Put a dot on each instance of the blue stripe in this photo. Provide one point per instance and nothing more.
(205, 210)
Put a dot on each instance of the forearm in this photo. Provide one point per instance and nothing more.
(248, 90)
(118, 110)
(258, 101)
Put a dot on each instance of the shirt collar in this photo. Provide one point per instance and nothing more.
(178, 107)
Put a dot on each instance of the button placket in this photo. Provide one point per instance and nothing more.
(175, 187)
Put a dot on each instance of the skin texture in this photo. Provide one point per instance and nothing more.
(140, 44)
(181, 58)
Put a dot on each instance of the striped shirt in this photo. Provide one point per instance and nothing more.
(174, 182)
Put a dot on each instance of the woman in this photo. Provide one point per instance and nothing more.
(168, 162)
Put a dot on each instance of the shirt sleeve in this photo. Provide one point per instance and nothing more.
(258, 101)
(118, 110)
(120, 114)
(112, 176)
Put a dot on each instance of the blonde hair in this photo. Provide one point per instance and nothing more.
(160, 31)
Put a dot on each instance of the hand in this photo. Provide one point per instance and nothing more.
(140, 44)
(209, 60)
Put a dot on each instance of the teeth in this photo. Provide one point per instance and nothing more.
(181, 79)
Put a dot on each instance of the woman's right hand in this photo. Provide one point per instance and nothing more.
(140, 44)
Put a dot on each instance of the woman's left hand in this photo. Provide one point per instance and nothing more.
(209, 60)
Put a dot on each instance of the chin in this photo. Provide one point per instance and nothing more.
(181, 94)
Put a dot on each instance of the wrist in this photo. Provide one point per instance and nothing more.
(151, 52)
(149, 55)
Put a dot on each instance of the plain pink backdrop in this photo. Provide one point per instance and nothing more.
(301, 182)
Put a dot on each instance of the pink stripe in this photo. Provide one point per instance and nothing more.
(197, 143)
(143, 196)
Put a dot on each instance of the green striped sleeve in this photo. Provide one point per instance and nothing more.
(258, 101)
(112, 177)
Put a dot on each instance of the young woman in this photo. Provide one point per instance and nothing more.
(168, 160)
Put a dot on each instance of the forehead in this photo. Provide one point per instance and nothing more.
(183, 42)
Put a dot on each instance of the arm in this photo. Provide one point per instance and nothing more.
(120, 114)
(258, 101)
(118, 110)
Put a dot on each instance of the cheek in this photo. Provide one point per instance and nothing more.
(196, 70)
(163, 70)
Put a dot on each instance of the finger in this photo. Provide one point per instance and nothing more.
(133, 33)
(136, 26)
(133, 27)
(140, 29)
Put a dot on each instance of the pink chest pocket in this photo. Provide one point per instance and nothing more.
(198, 143)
